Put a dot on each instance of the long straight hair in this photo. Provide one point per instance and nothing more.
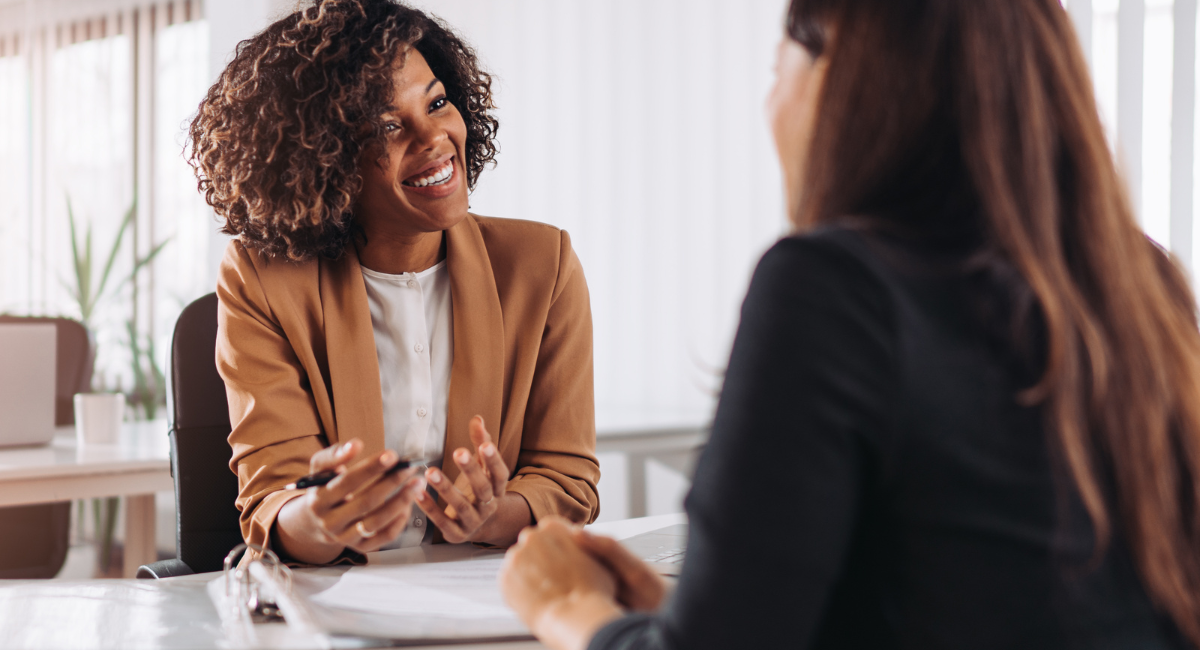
(988, 103)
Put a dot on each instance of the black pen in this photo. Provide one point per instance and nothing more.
(325, 476)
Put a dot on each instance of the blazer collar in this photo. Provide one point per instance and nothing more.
(353, 365)
(477, 372)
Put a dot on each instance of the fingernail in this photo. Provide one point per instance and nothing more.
(345, 448)
(462, 456)
(388, 458)
(489, 450)
(435, 477)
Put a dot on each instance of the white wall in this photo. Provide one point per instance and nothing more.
(637, 125)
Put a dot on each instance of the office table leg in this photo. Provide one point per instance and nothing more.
(139, 533)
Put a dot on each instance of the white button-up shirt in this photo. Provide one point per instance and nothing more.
(412, 319)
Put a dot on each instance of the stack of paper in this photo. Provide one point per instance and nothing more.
(442, 594)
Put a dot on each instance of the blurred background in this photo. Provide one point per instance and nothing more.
(637, 125)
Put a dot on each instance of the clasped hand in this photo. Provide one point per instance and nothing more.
(364, 508)
(566, 583)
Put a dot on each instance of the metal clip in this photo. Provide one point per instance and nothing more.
(242, 588)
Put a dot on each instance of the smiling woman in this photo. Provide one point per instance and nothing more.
(308, 98)
(366, 317)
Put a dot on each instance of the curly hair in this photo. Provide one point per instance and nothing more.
(278, 138)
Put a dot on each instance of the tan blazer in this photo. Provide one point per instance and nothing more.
(297, 352)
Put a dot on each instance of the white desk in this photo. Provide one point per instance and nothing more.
(668, 436)
(140, 465)
(135, 468)
(169, 613)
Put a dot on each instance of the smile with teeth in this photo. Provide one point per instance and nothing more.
(437, 176)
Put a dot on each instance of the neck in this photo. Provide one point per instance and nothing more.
(395, 254)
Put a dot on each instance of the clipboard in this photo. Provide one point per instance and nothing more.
(263, 603)
(258, 608)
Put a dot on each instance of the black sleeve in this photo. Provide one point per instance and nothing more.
(774, 500)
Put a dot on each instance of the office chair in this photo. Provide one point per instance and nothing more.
(34, 539)
(206, 520)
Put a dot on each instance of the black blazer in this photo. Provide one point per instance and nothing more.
(872, 482)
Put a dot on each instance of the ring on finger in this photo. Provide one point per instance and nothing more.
(362, 530)
(484, 504)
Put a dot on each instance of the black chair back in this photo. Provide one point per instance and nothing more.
(206, 520)
(205, 490)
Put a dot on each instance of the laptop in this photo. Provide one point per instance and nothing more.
(662, 549)
(27, 368)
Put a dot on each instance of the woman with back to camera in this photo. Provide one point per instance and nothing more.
(979, 377)
(365, 316)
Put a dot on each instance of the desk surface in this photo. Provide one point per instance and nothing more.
(135, 467)
(141, 446)
(169, 614)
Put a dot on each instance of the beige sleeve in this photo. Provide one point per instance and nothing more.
(276, 427)
(557, 469)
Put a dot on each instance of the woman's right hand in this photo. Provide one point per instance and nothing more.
(638, 587)
(362, 509)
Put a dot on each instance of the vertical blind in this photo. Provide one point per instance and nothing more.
(91, 98)
(1143, 59)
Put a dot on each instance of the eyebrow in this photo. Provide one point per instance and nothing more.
(433, 83)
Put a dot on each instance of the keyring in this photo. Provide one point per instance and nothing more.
(362, 530)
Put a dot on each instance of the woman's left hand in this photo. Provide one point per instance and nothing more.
(488, 514)
(556, 587)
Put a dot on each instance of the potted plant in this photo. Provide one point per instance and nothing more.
(88, 286)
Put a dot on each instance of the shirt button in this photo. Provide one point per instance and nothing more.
(421, 412)
(417, 522)
(419, 348)
(412, 284)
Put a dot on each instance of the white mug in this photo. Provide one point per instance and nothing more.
(98, 417)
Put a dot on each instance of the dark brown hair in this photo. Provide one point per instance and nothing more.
(277, 141)
(988, 103)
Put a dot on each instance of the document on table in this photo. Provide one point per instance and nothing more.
(450, 599)
(465, 590)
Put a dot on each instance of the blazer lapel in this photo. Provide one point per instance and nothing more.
(477, 373)
(353, 364)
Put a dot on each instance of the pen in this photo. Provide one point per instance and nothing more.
(324, 476)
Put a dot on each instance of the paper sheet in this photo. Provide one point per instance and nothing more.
(456, 590)
(442, 592)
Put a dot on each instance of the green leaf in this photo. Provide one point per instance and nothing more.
(116, 248)
(85, 280)
(140, 263)
(81, 261)
(76, 258)
(139, 373)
